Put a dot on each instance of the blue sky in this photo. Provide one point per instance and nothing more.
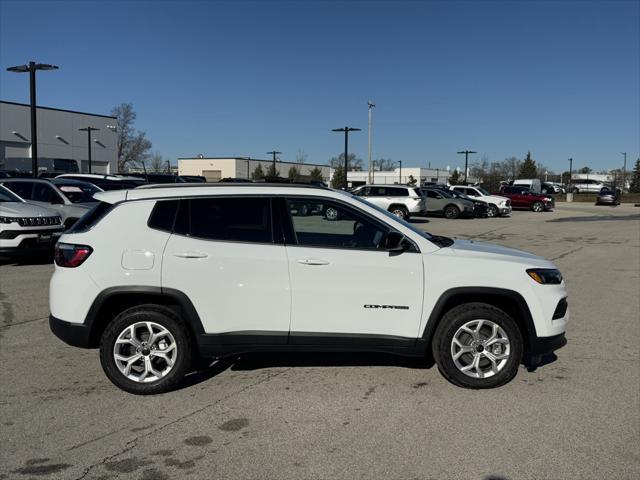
(561, 79)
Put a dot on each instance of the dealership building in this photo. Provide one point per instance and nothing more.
(400, 176)
(216, 168)
(62, 147)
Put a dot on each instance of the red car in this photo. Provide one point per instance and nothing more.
(522, 197)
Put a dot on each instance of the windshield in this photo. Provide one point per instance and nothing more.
(7, 195)
(77, 193)
(482, 191)
(413, 228)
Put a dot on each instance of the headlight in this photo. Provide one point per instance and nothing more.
(503, 203)
(545, 276)
(8, 219)
(547, 199)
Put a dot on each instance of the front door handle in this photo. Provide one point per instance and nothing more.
(190, 254)
(313, 261)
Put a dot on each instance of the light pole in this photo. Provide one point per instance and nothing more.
(570, 172)
(371, 107)
(89, 130)
(346, 131)
(274, 153)
(466, 162)
(31, 69)
(624, 170)
(399, 176)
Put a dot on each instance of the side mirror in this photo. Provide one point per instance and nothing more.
(395, 242)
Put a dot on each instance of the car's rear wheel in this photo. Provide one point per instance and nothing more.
(477, 345)
(451, 211)
(146, 350)
(537, 207)
(331, 214)
(399, 211)
(492, 211)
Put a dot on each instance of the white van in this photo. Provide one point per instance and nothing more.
(533, 184)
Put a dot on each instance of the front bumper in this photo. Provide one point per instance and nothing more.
(75, 334)
(540, 346)
(504, 210)
(17, 241)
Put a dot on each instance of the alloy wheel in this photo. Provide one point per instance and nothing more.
(145, 352)
(480, 348)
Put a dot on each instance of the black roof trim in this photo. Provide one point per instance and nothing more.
(58, 109)
(228, 185)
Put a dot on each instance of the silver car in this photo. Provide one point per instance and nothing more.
(69, 201)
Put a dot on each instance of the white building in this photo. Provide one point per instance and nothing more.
(216, 168)
(62, 147)
(420, 175)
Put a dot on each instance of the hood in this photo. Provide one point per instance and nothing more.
(496, 198)
(472, 249)
(22, 209)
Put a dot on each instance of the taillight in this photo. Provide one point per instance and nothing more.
(71, 256)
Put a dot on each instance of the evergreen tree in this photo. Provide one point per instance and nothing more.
(412, 181)
(272, 171)
(454, 179)
(293, 173)
(635, 180)
(337, 181)
(258, 173)
(528, 168)
(316, 174)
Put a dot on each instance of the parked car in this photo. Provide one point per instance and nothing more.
(169, 289)
(608, 196)
(522, 197)
(442, 202)
(26, 228)
(480, 207)
(156, 178)
(497, 205)
(194, 178)
(46, 194)
(234, 180)
(76, 190)
(401, 200)
(107, 182)
(533, 184)
(586, 185)
(549, 188)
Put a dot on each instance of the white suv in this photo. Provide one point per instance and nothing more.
(157, 276)
(496, 204)
(26, 228)
(401, 200)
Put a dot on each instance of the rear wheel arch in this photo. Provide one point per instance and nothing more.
(113, 301)
(509, 301)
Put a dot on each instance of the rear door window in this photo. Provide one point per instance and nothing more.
(22, 189)
(235, 219)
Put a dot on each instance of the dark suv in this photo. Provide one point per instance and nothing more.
(522, 197)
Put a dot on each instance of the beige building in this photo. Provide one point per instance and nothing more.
(216, 168)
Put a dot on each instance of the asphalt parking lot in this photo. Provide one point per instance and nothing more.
(347, 416)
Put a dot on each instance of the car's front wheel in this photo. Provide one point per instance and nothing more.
(451, 211)
(492, 211)
(537, 207)
(146, 350)
(477, 345)
(400, 212)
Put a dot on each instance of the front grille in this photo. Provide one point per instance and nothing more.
(11, 234)
(561, 309)
(38, 221)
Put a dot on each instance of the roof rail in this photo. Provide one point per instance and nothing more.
(229, 185)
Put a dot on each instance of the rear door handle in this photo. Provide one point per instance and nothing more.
(190, 254)
(313, 261)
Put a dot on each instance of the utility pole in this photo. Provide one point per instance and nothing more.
(346, 131)
(89, 130)
(371, 107)
(399, 176)
(624, 170)
(274, 153)
(466, 162)
(570, 172)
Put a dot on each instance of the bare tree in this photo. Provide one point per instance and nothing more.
(133, 146)
(157, 163)
(511, 167)
(355, 163)
(301, 156)
(384, 164)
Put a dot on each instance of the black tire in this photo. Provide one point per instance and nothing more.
(147, 313)
(399, 211)
(492, 211)
(451, 212)
(537, 207)
(456, 318)
(331, 214)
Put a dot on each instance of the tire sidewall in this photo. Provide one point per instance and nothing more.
(492, 212)
(161, 316)
(537, 207)
(452, 208)
(457, 317)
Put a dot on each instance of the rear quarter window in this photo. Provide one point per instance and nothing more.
(163, 215)
(91, 218)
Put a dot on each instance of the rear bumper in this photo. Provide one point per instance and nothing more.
(75, 334)
(540, 346)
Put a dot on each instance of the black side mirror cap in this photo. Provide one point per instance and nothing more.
(395, 242)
